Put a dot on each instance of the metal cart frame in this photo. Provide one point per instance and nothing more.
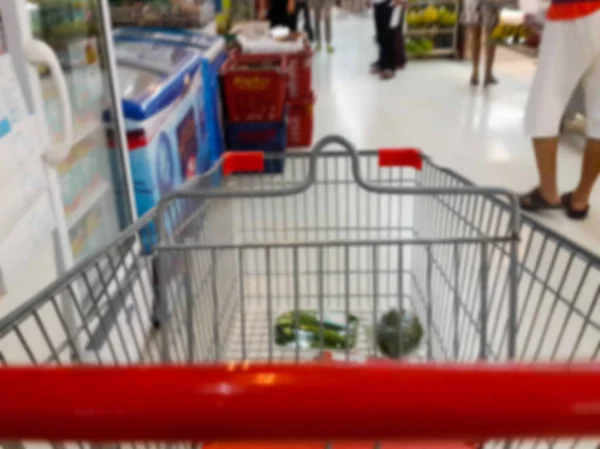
(339, 230)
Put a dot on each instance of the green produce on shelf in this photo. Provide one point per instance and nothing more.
(305, 329)
(399, 334)
(446, 18)
(418, 46)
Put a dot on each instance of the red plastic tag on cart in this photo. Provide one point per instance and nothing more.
(400, 157)
(243, 162)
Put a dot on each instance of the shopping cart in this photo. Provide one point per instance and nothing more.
(338, 232)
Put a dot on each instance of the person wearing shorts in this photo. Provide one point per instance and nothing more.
(302, 7)
(322, 10)
(481, 17)
(569, 55)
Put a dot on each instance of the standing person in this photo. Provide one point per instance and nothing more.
(481, 16)
(569, 54)
(322, 10)
(386, 36)
(304, 8)
(400, 50)
(279, 13)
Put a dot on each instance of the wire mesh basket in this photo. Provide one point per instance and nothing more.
(338, 231)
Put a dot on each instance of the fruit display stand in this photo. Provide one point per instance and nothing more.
(517, 32)
(432, 28)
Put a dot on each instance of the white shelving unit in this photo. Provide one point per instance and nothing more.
(88, 202)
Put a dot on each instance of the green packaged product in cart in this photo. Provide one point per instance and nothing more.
(306, 329)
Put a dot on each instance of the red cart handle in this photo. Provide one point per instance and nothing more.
(307, 402)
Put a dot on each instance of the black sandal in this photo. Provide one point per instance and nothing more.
(573, 214)
(535, 202)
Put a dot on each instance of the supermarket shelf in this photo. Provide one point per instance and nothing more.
(442, 52)
(436, 52)
(82, 132)
(522, 49)
(431, 2)
(88, 203)
(429, 32)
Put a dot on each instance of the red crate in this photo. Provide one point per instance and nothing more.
(299, 68)
(254, 87)
(301, 122)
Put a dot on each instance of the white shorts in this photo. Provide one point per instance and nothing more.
(569, 54)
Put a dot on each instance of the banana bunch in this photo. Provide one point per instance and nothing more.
(430, 17)
(446, 18)
(509, 33)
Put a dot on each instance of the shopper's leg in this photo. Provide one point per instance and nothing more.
(318, 9)
(491, 20)
(490, 54)
(591, 159)
(399, 41)
(327, 19)
(561, 63)
(590, 169)
(475, 35)
(307, 21)
(388, 53)
(378, 16)
(546, 154)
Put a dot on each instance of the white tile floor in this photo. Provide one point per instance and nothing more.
(430, 104)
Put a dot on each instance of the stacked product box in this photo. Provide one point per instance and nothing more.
(164, 122)
(211, 50)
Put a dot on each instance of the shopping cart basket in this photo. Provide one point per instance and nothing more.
(338, 232)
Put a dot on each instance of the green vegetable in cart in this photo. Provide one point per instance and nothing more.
(306, 329)
(398, 333)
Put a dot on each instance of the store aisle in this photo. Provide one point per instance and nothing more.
(431, 105)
